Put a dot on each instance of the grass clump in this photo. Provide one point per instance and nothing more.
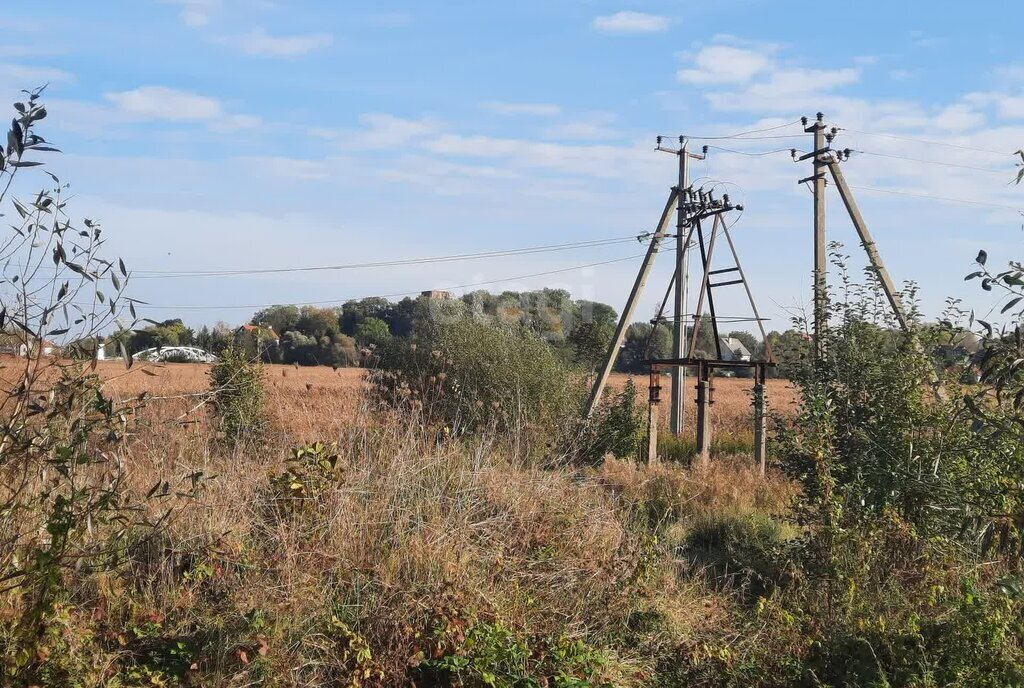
(236, 384)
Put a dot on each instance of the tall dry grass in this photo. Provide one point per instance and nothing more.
(410, 542)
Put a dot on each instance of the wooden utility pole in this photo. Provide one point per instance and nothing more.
(820, 246)
(627, 313)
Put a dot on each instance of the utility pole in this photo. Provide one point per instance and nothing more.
(820, 247)
(677, 416)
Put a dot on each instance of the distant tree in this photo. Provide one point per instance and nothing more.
(634, 348)
(354, 312)
(167, 333)
(280, 318)
(589, 343)
(338, 350)
(596, 312)
(790, 348)
(317, 322)
(401, 318)
(372, 332)
(343, 352)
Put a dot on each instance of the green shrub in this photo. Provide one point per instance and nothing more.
(470, 376)
(618, 427)
(236, 382)
(493, 655)
(309, 470)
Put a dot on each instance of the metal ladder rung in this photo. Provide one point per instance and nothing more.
(723, 270)
(725, 284)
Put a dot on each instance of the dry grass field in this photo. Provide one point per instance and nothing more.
(731, 403)
(308, 402)
(409, 535)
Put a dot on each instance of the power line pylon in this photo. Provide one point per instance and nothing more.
(825, 158)
(699, 207)
(693, 208)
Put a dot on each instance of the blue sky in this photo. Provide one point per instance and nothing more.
(221, 134)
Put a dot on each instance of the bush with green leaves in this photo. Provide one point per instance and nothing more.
(469, 376)
(491, 655)
(236, 384)
(876, 432)
(886, 583)
(66, 507)
(617, 428)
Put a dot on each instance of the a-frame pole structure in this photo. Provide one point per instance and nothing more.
(827, 159)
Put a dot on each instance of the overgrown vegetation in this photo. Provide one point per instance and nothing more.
(423, 542)
(236, 384)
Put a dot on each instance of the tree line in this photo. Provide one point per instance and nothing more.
(579, 330)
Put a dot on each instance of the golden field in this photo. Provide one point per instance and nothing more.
(317, 401)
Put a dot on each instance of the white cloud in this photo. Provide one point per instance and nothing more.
(592, 128)
(195, 13)
(159, 102)
(229, 123)
(536, 109)
(628, 22)
(1011, 107)
(169, 104)
(724, 64)
(260, 43)
(901, 74)
(959, 117)
(380, 131)
(29, 77)
(290, 168)
(788, 90)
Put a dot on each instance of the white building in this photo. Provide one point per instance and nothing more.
(734, 350)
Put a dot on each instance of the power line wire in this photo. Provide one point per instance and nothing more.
(946, 199)
(502, 253)
(933, 162)
(925, 141)
(745, 134)
(387, 296)
(753, 154)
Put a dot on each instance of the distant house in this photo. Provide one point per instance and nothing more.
(256, 339)
(734, 350)
(13, 344)
(18, 344)
(439, 294)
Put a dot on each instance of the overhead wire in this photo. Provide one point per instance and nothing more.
(947, 199)
(393, 295)
(933, 162)
(745, 134)
(551, 248)
(914, 139)
(752, 153)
